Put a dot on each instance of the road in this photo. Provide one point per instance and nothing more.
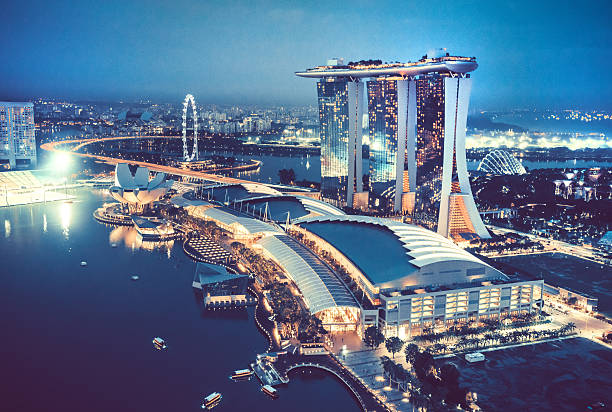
(552, 245)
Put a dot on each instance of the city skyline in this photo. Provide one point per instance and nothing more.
(527, 51)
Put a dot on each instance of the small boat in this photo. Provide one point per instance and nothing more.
(113, 245)
(135, 277)
(159, 343)
(83, 263)
(241, 374)
(212, 400)
(269, 390)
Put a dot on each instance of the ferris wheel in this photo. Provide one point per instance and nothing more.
(194, 153)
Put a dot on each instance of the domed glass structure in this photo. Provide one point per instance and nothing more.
(500, 162)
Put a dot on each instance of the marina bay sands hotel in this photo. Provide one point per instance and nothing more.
(417, 114)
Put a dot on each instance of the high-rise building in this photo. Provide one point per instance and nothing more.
(17, 137)
(444, 200)
(391, 119)
(417, 115)
(340, 117)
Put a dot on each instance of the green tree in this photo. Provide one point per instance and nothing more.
(373, 337)
(411, 350)
(394, 344)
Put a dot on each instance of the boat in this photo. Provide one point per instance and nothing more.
(241, 374)
(211, 400)
(83, 263)
(159, 343)
(269, 390)
(135, 277)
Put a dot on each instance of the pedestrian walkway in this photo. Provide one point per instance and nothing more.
(366, 365)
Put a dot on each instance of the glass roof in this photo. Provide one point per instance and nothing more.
(319, 285)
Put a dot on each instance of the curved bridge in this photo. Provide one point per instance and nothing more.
(79, 143)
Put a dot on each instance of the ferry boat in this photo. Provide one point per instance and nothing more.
(159, 343)
(269, 390)
(211, 400)
(241, 374)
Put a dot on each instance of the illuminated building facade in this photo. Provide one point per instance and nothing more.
(17, 138)
(391, 125)
(340, 117)
(444, 200)
(417, 113)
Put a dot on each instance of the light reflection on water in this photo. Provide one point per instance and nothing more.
(65, 218)
(131, 240)
(45, 222)
(7, 228)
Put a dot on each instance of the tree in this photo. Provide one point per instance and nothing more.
(411, 350)
(286, 176)
(394, 344)
(373, 337)
(424, 365)
(449, 374)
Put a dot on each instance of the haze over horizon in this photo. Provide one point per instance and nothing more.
(530, 54)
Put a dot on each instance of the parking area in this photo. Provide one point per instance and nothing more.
(566, 375)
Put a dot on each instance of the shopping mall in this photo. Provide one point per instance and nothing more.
(355, 271)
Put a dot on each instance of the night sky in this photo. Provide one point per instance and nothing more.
(531, 53)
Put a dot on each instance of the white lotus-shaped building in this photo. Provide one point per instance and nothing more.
(136, 189)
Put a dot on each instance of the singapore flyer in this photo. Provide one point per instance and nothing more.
(194, 153)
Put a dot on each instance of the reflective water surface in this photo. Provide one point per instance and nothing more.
(79, 338)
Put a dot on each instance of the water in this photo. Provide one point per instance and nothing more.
(309, 167)
(79, 338)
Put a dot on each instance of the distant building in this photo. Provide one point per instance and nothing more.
(17, 136)
(500, 162)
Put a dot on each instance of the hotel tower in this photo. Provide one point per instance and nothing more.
(417, 114)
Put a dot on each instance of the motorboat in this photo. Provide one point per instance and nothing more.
(212, 400)
(159, 343)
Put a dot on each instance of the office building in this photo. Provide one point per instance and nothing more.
(17, 136)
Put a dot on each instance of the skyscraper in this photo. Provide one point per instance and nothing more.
(17, 138)
(417, 114)
(389, 102)
(340, 117)
(444, 199)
